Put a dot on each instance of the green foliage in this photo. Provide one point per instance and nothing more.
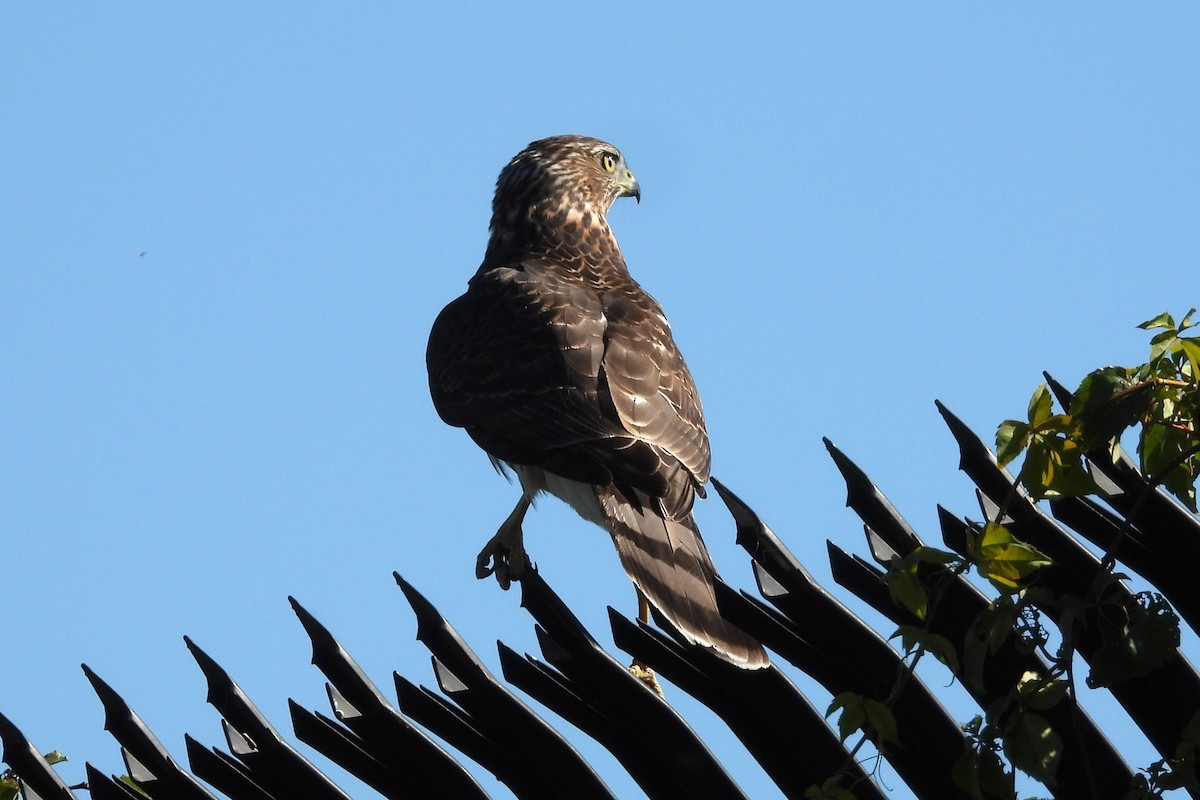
(1053, 465)
(1178, 772)
(913, 639)
(1161, 401)
(866, 714)
(1003, 559)
(132, 784)
(1161, 398)
(1032, 745)
(904, 583)
(1139, 636)
(831, 789)
(980, 771)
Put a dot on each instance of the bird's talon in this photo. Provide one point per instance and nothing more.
(502, 573)
(646, 675)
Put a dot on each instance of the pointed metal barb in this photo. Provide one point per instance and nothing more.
(443, 641)
(785, 734)
(955, 531)
(274, 763)
(649, 766)
(154, 765)
(613, 706)
(496, 713)
(856, 659)
(1161, 702)
(29, 765)
(106, 787)
(872, 506)
(864, 580)
(224, 772)
(347, 750)
(380, 729)
(336, 664)
(137, 770)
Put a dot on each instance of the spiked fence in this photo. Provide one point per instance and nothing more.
(475, 715)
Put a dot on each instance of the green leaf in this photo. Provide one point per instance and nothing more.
(1005, 560)
(1104, 406)
(1040, 692)
(853, 716)
(132, 784)
(1163, 343)
(1190, 348)
(54, 757)
(912, 637)
(932, 555)
(907, 591)
(982, 775)
(1163, 320)
(1161, 448)
(1138, 635)
(1040, 406)
(9, 788)
(1054, 468)
(882, 721)
(1011, 438)
(1033, 746)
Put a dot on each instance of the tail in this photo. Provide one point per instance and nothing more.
(667, 561)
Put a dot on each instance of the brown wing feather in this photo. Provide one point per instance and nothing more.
(518, 361)
(654, 394)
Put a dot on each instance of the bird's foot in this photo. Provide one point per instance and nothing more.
(498, 558)
(504, 555)
(646, 676)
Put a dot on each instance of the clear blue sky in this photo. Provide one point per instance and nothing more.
(225, 229)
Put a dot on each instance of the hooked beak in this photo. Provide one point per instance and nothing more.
(630, 188)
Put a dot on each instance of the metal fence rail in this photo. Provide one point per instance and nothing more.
(479, 717)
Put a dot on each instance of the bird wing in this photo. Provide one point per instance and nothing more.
(518, 362)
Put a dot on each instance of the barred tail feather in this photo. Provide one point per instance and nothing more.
(667, 560)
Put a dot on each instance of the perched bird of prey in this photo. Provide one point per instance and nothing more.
(561, 367)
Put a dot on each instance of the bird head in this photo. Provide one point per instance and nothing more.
(561, 173)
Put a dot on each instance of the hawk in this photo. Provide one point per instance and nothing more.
(562, 368)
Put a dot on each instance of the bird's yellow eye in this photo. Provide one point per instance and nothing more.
(609, 162)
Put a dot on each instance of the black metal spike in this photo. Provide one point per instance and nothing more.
(347, 750)
(859, 660)
(136, 737)
(274, 763)
(646, 723)
(105, 787)
(498, 714)
(228, 775)
(29, 765)
(381, 729)
(1161, 702)
(457, 729)
(872, 506)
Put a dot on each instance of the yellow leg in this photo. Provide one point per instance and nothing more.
(504, 554)
(640, 671)
(643, 609)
